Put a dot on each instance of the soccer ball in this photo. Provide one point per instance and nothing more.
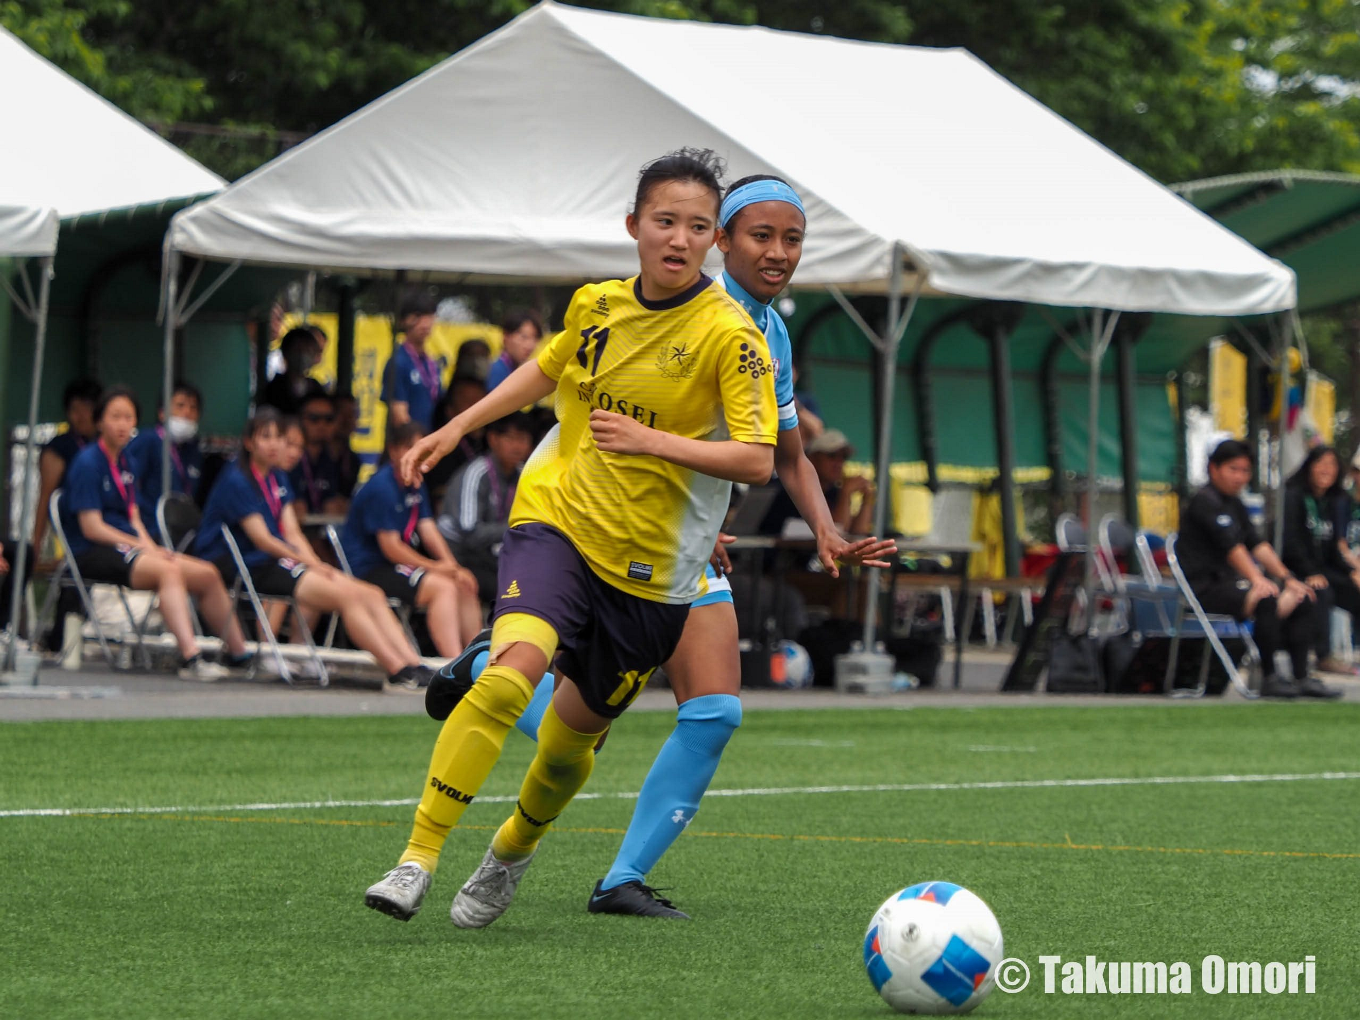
(933, 948)
(790, 666)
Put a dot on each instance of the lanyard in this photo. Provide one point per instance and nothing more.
(271, 494)
(498, 491)
(116, 473)
(411, 524)
(427, 369)
(174, 455)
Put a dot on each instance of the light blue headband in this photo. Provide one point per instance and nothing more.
(758, 191)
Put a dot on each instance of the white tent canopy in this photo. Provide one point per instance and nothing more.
(27, 231)
(516, 159)
(72, 151)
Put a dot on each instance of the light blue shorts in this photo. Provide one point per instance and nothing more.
(719, 590)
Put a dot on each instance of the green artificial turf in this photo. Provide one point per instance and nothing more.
(213, 909)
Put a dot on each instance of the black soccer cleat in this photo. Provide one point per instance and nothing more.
(633, 898)
(455, 679)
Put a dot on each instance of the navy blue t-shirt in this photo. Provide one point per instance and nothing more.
(144, 454)
(234, 497)
(67, 446)
(381, 504)
(315, 480)
(90, 485)
(415, 381)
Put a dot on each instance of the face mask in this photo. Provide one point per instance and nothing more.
(180, 430)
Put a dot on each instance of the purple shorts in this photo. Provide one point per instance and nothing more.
(609, 641)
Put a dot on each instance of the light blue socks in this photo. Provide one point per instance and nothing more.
(678, 779)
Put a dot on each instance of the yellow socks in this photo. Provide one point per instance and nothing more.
(467, 748)
(563, 764)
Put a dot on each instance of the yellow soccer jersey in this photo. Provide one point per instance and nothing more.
(695, 366)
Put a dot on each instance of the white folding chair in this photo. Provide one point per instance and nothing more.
(1211, 624)
(398, 606)
(178, 518)
(244, 583)
(76, 581)
(1118, 539)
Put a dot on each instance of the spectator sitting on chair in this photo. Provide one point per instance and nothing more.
(316, 478)
(463, 392)
(478, 501)
(473, 360)
(79, 400)
(146, 452)
(1347, 511)
(341, 449)
(828, 454)
(411, 381)
(1311, 550)
(520, 334)
(390, 540)
(111, 546)
(252, 498)
(1233, 571)
(301, 351)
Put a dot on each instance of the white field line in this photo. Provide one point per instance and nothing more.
(770, 791)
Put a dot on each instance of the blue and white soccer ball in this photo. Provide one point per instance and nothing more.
(791, 666)
(933, 948)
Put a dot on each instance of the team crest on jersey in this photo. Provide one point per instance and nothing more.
(601, 306)
(677, 361)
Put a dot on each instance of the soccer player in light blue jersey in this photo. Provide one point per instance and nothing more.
(761, 237)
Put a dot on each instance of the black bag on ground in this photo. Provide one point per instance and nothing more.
(1074, 665)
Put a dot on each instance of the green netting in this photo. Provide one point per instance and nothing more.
(965, 429)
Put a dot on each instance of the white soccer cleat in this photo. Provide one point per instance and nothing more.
(203, 671)
(401, 891)
(486, 895)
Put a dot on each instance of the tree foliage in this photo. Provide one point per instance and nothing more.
(1182, 88)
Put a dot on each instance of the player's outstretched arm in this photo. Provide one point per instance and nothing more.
(526, 385)
(731, 459)
(800, 480)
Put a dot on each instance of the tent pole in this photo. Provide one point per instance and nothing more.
(20, 564)
(1282, 359)
(1003, 421)
(172, 311)
(1128, 423)
(1101, 331)
(344, 339)
(897, 324)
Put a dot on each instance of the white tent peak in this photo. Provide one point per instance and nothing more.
(517, 158)
(74, 152)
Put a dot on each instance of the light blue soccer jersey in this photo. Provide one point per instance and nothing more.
(771, 323)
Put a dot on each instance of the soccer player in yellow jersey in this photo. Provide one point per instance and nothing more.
(761, 229)
(591, 566)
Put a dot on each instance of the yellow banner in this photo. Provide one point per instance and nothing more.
(1228, 388)
(372, 348)
(1321, 405)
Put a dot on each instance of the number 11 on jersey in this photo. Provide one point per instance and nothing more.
(601, 337)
